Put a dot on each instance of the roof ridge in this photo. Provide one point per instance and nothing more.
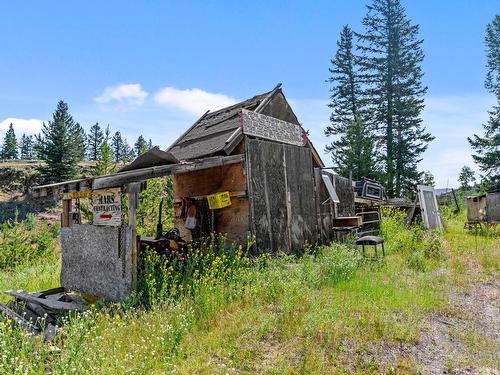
(239, 104)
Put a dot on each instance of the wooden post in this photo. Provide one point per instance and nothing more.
(66, 219)
(132, 191)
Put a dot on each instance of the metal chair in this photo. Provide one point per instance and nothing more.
(372, 241)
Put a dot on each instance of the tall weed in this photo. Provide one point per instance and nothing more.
(167, 277)
(23, 242)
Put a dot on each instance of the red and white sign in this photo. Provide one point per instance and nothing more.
(107, 207)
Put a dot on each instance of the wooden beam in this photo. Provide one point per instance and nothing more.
(123, 178)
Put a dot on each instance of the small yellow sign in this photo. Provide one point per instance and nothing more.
(219, 200)
(77, 194)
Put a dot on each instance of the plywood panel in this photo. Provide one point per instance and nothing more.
(326, 209)
(209, 181)
(232, 220)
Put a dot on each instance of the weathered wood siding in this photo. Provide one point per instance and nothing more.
(279, 108)
(280, 185)
(493, 207)
(345, 191)
(234, 219)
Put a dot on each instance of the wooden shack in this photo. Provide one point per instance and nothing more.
(484, 208)
(255, 154)
(277, 191)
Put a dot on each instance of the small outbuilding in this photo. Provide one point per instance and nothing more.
(277, 192)
(248, 170)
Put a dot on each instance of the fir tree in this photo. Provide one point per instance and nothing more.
(105, 164)
(140, 146)
(345, 92)
(80, 142)
(118, 146)
(9, 148)
(356, 154)
(391, 55)
(57, 145)
(128, 153)
(492, 41)
(428, 179)
(26, 147)
(94, 141)
(487, 148)
(466, 177)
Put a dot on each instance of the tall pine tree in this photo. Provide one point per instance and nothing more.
(140, 146)
(391, 55)
(488, 147)
(9, 149)
(80, 142)
(94, 141)
(58, 144)
(347, 110)
(117, 146)
(26, 147)
(128, 153)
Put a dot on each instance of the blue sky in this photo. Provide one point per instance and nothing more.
(153, 67)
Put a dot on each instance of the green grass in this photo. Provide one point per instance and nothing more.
(332, 312)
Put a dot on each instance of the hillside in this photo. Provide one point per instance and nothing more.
(16, 177)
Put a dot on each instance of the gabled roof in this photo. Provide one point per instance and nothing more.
(218, 133)
(211, 133)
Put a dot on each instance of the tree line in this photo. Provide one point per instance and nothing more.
(377, 97)
(63, 142)
(487, 147)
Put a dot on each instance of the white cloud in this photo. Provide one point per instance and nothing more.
(194, 100)
(128, 94)
(26, 126)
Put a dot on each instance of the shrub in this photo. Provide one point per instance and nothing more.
(433, 246)
(416, 260)
(400, 239)
(22, 242)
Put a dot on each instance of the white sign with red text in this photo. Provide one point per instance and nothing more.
(107, 207)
